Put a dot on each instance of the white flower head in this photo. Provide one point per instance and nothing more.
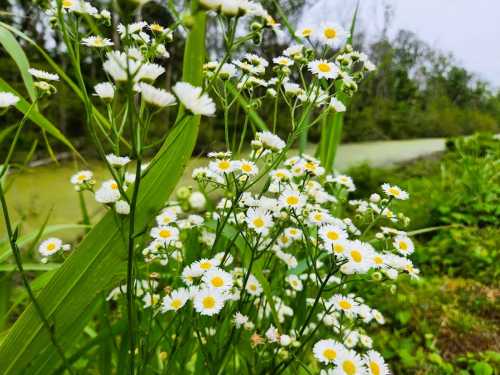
(404, 245)
(331, 34)
(97, 42)
(50, 246)
(155, 96)
(7, 99)
(82, 177)
(395, 191)
(175, 300)
(327, 351)
(337, 105)
(117, 161)
(324, 69)
(208, 301)
(218, 279)
(193, 99)
(105, 90)
(41, 74)
(109, 192)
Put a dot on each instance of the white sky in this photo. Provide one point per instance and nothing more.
(468, 29)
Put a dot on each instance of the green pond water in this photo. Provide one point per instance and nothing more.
(45, 189)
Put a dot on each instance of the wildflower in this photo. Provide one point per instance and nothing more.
(79, 6)
(155, 96)
(204, 265)
(344, 180)
(295, 282)
(326, 351)
(305, 32)
(50, 246)
(332, 233)
(227, 71)
(292, 88)
(283, 61)
(166, 217)
(395, 191)
(193, 99)
(104, 90)
(108, 192)
(360, 256)
(253, 286)
(175, 300)
(281, 174)
(41, 74)
(324, 69)
(81, 177)
(403, 244)
(240, 319)
(248, 167)
(259, 220)
(349, 363)
(218, 279)
(376, 364)
(167, 234)
(222, 166)
(7, 99)
(345, 304)
(337, 105)
(117, 161)
(272, 334)
(292, 199)
(97, 42)
(332, 35)
(149, 72)
(208, 301)
(293, 233)
(294, 51)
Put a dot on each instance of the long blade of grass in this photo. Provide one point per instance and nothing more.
(99, 262)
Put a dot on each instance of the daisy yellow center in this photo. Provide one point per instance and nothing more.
(205, 265)
(310, 165)
(378, 260)
(295, 283)
(51, 246)
(98, 41)
(217, 282)
(403, 245)
(176, 304)
(292, 200)
(345, 305)
(165, 233)
(349, 367)
(318, 217)
(270, 21)
(208, 302)
(67, 3)
(156, 27)
(293, 231)
(252, 287)
(306, 32)
(280, 175)
(283, 62)
(224, 165)
(394, 191)
(375, 368)
(284, 239)
(167, 220)
(332, 235)
(356, 256)
(330, 33)
(324, 67)
(114, 186)
(258, 222)
(330, 354)
(246, 168)
(81, 177)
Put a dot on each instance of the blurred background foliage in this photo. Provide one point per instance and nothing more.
(417, 91)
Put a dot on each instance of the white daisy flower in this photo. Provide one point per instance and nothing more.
(293, 233)
(149, 72)
(79, 6)
(155, 96)
(166, 217)
(105, 90)
(332, 35)
(204, 265)
(395, 191)
(337, 105)
(208, 301)
(256, 60)
(350, 363)
(292, 199)
(327, 351)
(292, 88)
(109, 192)
(253, 286)
(294, 50)
(7, 99)
(248, 68)
(295, 282)
(117, 161)
(376, 364)
(197, 200)
(324, 69)
(97, 42)
(281, 174)
(404, 245)
(283, 61)
(305, 32)
(193, 99)
(343, 180)
(81, 177)
(240, 319)
(332, 233)
(345, 304)
(41, 74)
(218, 279)
(360, 256)
(222, 166)
(248, 167)
(122, 207)
(50, 246)
(175, 300)
(227, 70)
(258, 219)
(165, 233)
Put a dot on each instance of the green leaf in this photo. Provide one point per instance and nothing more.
(9, 42)
(35, 116)
(482, 368)
(30, 267)
(99, 262)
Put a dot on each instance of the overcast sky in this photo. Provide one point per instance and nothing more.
(468, 29)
